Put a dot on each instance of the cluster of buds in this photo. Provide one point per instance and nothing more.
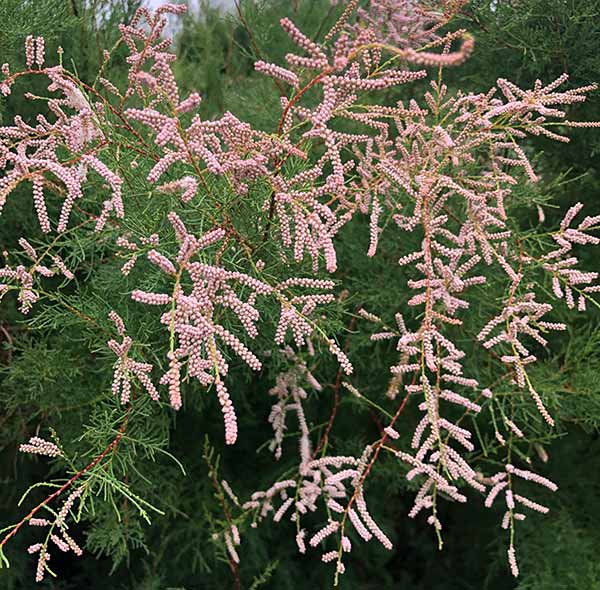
(291, 394)
(57, 534)
(504, 482)
(193, 318)
(561, 262)
(35, 153)
(126, 368)
(39, 446)
(331, 481)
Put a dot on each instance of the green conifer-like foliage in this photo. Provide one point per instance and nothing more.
(295, 300)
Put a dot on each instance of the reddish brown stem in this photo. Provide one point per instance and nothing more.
(112, 446)
(376, 450)
(336, 395)
(299, 95)
(286, 110)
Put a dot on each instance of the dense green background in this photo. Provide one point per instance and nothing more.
(54, 380)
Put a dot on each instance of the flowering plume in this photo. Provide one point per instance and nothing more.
(57, 534)
(560, 262)
(126, 368)
(504, 482)
(291, 394)
(402, 23)
(194, 316)
(192, 320)
(35, 153)
(39, 446)
(328, 481)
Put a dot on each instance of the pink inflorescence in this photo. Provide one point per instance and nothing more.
(126, 368)
(39, 446)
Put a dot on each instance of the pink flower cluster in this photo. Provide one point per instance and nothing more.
(23, 278)
(331, 481)
(193, 320)
(504, 481)
(560, 262)
(126, 368)
(291, 394)
(59, 538)
(34, 152)
(39, 446)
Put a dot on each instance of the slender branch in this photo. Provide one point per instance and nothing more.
(111, 447)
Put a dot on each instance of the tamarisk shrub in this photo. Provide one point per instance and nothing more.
(225, 244)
